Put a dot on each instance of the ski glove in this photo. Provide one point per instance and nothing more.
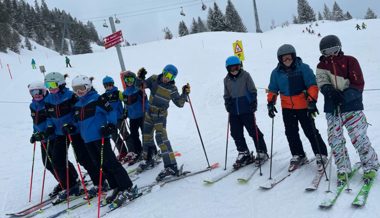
(271, 110)
(228, 104)
(253, 106)
(186, 89)
(141, 73)
(334, 95)
(36, 137)
(312, 110)
(108, 129)
(49, 131)
(68, 129)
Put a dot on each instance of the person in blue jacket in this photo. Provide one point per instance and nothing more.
(96, 121)
(135, 106)
(115, 98)
(39, 115)
(59, 105)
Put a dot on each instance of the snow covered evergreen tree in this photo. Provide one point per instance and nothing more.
(347, 16)
(201, 26)
(327, 13)
(182, 29)
(27, 44)
(337, 13)
(168, 33)
(194, 27)
(370, 14)
(233, 19)
(215, 19)
(305, 12)
(320, 17)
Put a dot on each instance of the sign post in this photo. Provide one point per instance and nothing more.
(114, 40)
(238, 49)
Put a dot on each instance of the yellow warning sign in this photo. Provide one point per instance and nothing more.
(238, 49)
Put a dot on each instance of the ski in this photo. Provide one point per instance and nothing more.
(223, 175)
(273, 182)
(317, 179)
(31, 209)
(361, 198)
(245, 179)
(331, 197)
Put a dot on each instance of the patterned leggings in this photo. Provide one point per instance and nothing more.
(356, 125)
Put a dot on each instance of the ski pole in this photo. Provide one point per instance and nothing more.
(79, 170)
(43, 177)
(31, 174)
(330, 169)
(67, 175)
(228, 130)
(271, 150)
(51, 162)
(199, 133)
(100, 175)
(257, 140)
(314, 129)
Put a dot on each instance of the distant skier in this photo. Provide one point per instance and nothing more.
(67, 60)
(33, 64)
(357, 27)
(162, 90)
(240, 100)
(341, 81)
(364, 26)
(297, 86)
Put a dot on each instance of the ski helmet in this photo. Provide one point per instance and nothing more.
(108, 79)
(37, 87)
(330, 45)
(55, 77)
(81, 85)
(284, 50)
(170, 71)
(232, 60)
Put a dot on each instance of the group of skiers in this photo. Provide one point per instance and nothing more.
(338, 77)
(88, 121)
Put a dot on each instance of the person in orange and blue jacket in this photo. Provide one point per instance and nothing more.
(296, 83)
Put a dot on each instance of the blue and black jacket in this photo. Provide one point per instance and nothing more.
(115, 98)
(39, 115)
(132, 98)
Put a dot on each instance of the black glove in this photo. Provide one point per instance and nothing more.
(186, 89)
(253, 106)
(312, 109)
(271, 110)
(49, 131)
(125, 115)
(68, 128)
(36, 137)
(108, 129)
(141, 73)
(228, 104)
(335, 95)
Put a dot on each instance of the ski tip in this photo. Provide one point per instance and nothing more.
(310, 189)
(214, 165)
(177, 154)
(242, 181)
(208, 182)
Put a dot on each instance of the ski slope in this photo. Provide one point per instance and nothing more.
(200, 59)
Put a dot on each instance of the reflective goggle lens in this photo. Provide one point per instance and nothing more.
(79, 89)
(234, 68)
(107, 84)
(36, 92)
(169, 75)
(51, 85)
(331, 51)
(129, 79)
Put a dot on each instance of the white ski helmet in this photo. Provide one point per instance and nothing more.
(82, 84)
(37, 85)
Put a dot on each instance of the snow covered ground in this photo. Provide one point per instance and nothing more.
(200, 60)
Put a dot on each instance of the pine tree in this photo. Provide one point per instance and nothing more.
(337, 12)
(81, 41)
(168, 33)
(194, 27)
(320, 17)
(28, 45)
(347, 16)
(295, 19)
(201, 26)
(327, 13)
(215, 19)
(182, 29)
(233, 19)
(370, 14)
(305, 12)
(14, 42)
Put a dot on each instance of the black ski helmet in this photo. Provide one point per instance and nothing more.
(286, 49)
(330, 42)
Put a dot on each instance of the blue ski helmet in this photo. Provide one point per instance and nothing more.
(170, 68)
(108, 79)
(232, 60)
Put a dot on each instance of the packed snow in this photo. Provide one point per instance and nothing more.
(200, 59)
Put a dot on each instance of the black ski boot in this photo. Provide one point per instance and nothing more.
(261, 158)
(244, 158)
(171, 170)
(62, 196)
(55, 191)
(123, 196)
(296, 162)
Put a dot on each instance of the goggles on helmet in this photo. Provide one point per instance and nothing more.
(234, 68)
(51, 85)
(331, 51)
(34, 92)
(129, 79)
(80, 90)
(107, 85)
(168, 75)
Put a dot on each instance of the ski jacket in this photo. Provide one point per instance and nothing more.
(344, 73)
(115, 98)
(60, 109)
(296, 85)
(91, 112)
(133, 102)
(39, 115)
(239, 92)
(161, 93)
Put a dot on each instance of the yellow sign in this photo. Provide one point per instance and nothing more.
(238, 49)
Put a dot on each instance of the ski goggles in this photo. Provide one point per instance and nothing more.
(331, 51)
(34, 92)
(233, 68)
(129, 79)
(51, 85)
(107, 85)
(168, 75)
(80, 89)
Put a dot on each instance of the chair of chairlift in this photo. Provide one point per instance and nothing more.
(182, 13)
(204, 7)
(105, 24)
(117, 20)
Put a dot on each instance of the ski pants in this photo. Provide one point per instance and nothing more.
(291, 118)
(356, 125)
(120, 137)
(136, 124)
(156, 121)
(238, 122)
(114, 172)
(45, 158)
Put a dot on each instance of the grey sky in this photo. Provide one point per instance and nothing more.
(143, 20)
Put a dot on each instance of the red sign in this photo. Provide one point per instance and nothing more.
(113, 39)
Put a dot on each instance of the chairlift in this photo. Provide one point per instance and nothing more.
(182, 13)
(204, 7)
(117, 20)
(105, 24)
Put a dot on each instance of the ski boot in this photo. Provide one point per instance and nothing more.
(296, 162)
(170, 170)
(123, 196)
(321, 160)
(368, 176)
(261, 158)
(94, 190)
(244, 158)
(62, 195)
(55, 191)
(110, 196)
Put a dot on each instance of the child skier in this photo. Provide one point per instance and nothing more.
(240, 100)
(162, 90)
(296, 83)
(96, 122)
(341, 81)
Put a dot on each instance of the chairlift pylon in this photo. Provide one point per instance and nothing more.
(182, 13)
(105, 24)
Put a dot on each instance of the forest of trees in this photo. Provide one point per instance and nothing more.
(46, 27)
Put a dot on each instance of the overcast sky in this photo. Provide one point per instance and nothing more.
(143, 20)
